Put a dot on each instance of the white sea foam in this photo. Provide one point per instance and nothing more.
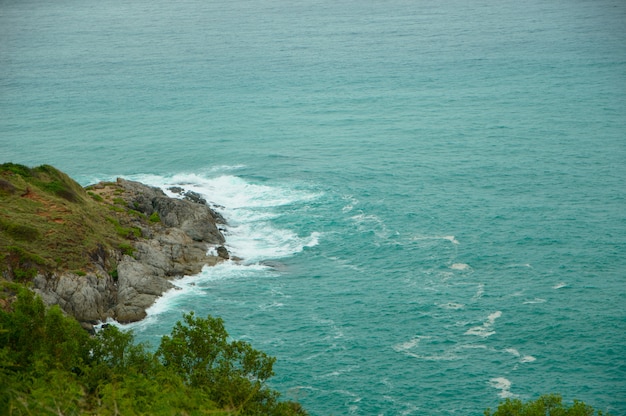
(560, 285)
(410, 348)
(370, 222)
(351, 202)
(502, 384)
(486, 329)
(460, 266)
(451, 305)
(345, 263)
(229, 191)
(407, 345)
(271, 305)
(449, 238)
(479, 291)
(534, 301)
(513, 351)
(522, 359)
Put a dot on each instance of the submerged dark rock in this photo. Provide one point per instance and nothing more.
(223, 252)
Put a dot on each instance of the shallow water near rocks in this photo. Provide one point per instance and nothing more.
(428, 199)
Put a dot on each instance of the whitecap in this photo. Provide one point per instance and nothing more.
(522, 359)
(534, 301)
(486, 329)
(560, 285)
(451, 305)
(407, 345)
(513, 351)
(502, 384)
(479, 292)
(449, 238)
(272, 305)
(345, 263)
(351, 203)
(460, 266)
(371, 222)
(409, 348)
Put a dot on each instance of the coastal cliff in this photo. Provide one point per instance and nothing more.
(105, 251)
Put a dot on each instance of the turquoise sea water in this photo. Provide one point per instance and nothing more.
(429, 196)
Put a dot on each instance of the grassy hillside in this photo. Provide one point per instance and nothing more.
(48, 222)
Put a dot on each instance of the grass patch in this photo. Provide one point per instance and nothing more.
(22, 264)
(19, 232)
(125, 232)
(154, 217)
(95, 196)
(127, 249)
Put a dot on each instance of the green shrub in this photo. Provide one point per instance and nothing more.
(126, 232)
(154, 217)
(127, 249)
(114, 275)
(546, 405)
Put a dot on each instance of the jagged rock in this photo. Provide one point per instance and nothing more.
(139, 196)
(223, 252)
(87, 298)
(194, 197)
(176, 189)
(194, 219)
(139, 285)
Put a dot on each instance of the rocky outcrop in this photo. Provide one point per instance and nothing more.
(174, 243)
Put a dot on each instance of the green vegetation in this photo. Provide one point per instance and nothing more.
(155, 217)
(50, 366)
(546, 405)
(48, 222)
(95, 196)
(127, 249)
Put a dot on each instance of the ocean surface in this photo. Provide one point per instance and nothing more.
(429, 197)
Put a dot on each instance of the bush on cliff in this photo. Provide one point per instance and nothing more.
(50, 365)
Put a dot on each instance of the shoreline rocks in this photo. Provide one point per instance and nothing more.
(173, 243)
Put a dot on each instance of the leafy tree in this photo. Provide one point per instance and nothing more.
(546, 405)
(50, 366)
(231, 372)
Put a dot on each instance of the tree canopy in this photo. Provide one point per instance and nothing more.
(50, 365)
(546, 405)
